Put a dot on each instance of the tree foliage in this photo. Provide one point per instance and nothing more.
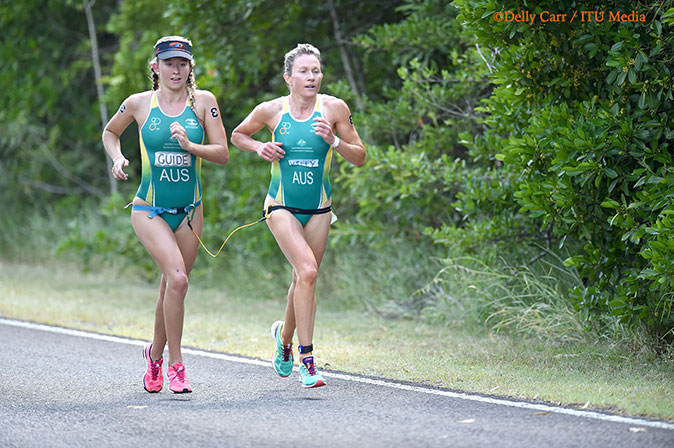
(413, 131)
(581, 116)
(48, 106)
(483, 138)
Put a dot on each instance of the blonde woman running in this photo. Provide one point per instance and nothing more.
(304, 130)
(174, 121)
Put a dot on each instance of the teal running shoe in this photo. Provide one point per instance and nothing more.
(308, 374)
(282, 361)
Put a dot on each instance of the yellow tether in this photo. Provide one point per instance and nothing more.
(189, 224)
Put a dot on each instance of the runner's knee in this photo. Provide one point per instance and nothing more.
(307, 273)
(177, 282)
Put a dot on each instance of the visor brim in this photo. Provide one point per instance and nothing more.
(175, 54)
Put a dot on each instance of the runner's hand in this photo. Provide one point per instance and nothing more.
(271, 151)
(323, 128)
(178, 132)
(117, 168)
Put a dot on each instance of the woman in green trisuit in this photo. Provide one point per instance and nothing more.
(174, 119)
(304, 130)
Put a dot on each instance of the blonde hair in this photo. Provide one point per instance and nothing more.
(190, 85)
(299, 50)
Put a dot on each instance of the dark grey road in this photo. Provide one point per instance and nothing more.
(62, 390)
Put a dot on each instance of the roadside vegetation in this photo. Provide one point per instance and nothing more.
(513, 219)
(229, 317)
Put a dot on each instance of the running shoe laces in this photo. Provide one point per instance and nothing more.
(287, 352)
(309, 364)
(155, 370)
(180, 373)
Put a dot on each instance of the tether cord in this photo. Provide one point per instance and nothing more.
(265, 214)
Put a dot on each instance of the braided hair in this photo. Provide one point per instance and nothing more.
(191, 87)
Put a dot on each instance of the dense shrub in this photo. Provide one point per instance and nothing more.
(582, 119)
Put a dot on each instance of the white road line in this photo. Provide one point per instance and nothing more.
(359, 379)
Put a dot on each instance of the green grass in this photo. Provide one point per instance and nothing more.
(523, 299)
(593, 376)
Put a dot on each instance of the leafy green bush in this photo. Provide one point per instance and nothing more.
(581, 117)
(416, 164)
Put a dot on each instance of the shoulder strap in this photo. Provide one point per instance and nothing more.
(319, 104)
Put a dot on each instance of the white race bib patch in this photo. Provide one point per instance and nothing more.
(171, 159)
(309, 163)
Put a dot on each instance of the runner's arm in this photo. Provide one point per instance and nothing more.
(242, 136)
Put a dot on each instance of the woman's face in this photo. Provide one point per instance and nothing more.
(306, 75)
(173, 72)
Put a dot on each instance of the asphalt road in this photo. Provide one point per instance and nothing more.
(69, 389)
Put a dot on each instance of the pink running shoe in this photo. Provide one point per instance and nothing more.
(153, 380)
(177, 380)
